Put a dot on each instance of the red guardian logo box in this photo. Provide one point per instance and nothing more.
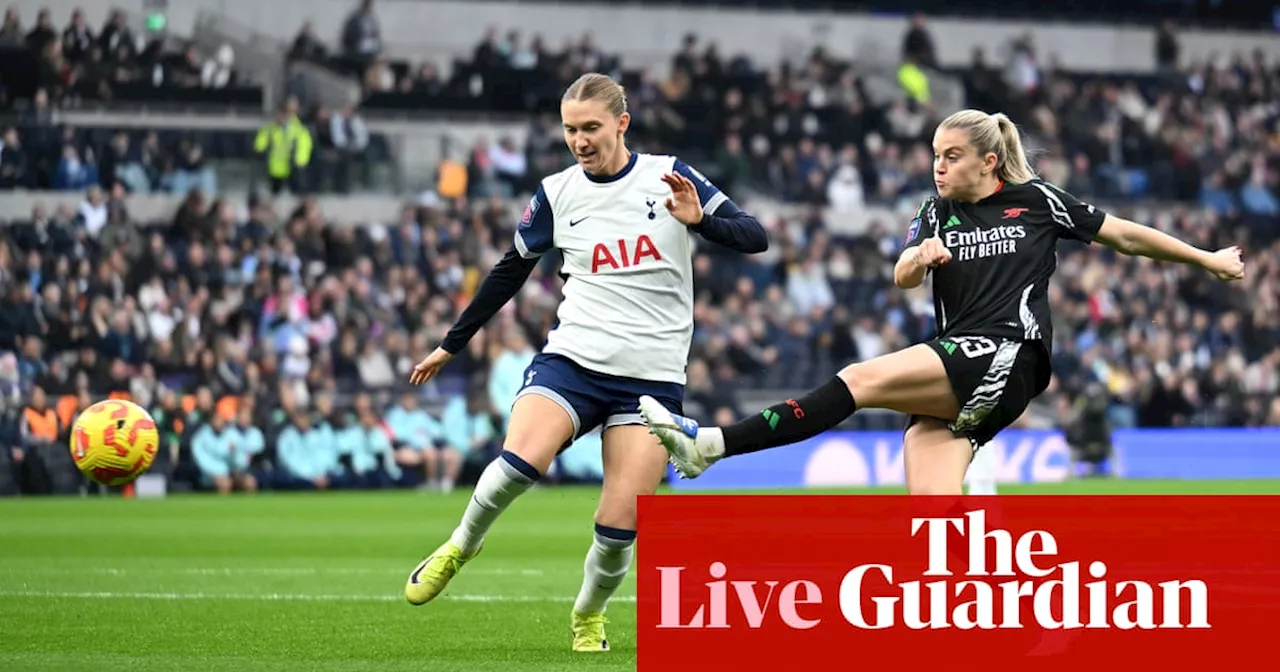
(990, 583)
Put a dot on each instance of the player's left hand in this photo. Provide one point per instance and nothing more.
(1226, 264)
(683, 203)
(429, 367)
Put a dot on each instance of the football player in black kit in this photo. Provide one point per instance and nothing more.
(989, 238)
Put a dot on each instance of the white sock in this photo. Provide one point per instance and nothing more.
(503, 480)
(710, 442)
(606, 567)
(981, 475)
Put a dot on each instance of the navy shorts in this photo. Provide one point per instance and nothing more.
(594, 399)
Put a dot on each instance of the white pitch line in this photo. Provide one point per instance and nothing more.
(283, 597)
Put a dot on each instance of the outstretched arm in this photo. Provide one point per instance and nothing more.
(1083, 222)
(502, 283)
(533, 237)
(1136, 239)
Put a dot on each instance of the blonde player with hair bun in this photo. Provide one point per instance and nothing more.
(990, 240)
(624, 223)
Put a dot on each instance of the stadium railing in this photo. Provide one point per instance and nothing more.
(407, 151)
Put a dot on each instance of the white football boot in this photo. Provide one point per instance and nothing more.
(692, 448)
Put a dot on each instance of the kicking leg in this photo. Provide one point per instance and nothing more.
(634, 465)
(538, 428)
(912, 381)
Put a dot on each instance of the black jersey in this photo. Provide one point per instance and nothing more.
(1003, 254)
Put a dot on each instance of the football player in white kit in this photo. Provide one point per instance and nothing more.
(623, 223)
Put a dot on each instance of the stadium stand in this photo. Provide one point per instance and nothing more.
(155, 262)
(119, 62)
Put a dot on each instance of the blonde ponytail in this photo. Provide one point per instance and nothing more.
(1013, 166)
(995, 134)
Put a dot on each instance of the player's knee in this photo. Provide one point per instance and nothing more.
(616, 513)
(615, 539)
(864, 381)
(518, 468)
(538, 453)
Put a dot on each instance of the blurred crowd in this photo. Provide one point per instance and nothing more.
(38, 151)
(1204, 133)
(238, 311)
(81, 61)
(306, 331)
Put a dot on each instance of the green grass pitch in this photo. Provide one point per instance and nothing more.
(313, 581)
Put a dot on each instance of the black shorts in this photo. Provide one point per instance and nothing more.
(994, 380)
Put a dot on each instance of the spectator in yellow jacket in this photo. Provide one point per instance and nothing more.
(287, 144)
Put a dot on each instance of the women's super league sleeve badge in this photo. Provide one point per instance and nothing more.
(915, 228)
(529, 209)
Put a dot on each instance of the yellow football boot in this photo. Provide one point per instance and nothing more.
(588, 633)
(431, 575)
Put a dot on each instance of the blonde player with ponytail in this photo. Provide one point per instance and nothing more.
(990, 239)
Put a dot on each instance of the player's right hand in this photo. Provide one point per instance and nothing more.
(932, 253)
(1227, 264)
(429, 367)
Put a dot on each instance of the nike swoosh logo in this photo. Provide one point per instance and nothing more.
(415, 578)
(573, 223)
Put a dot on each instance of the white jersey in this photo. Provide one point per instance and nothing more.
(628, 299)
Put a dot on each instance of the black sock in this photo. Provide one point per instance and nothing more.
(791, 421)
